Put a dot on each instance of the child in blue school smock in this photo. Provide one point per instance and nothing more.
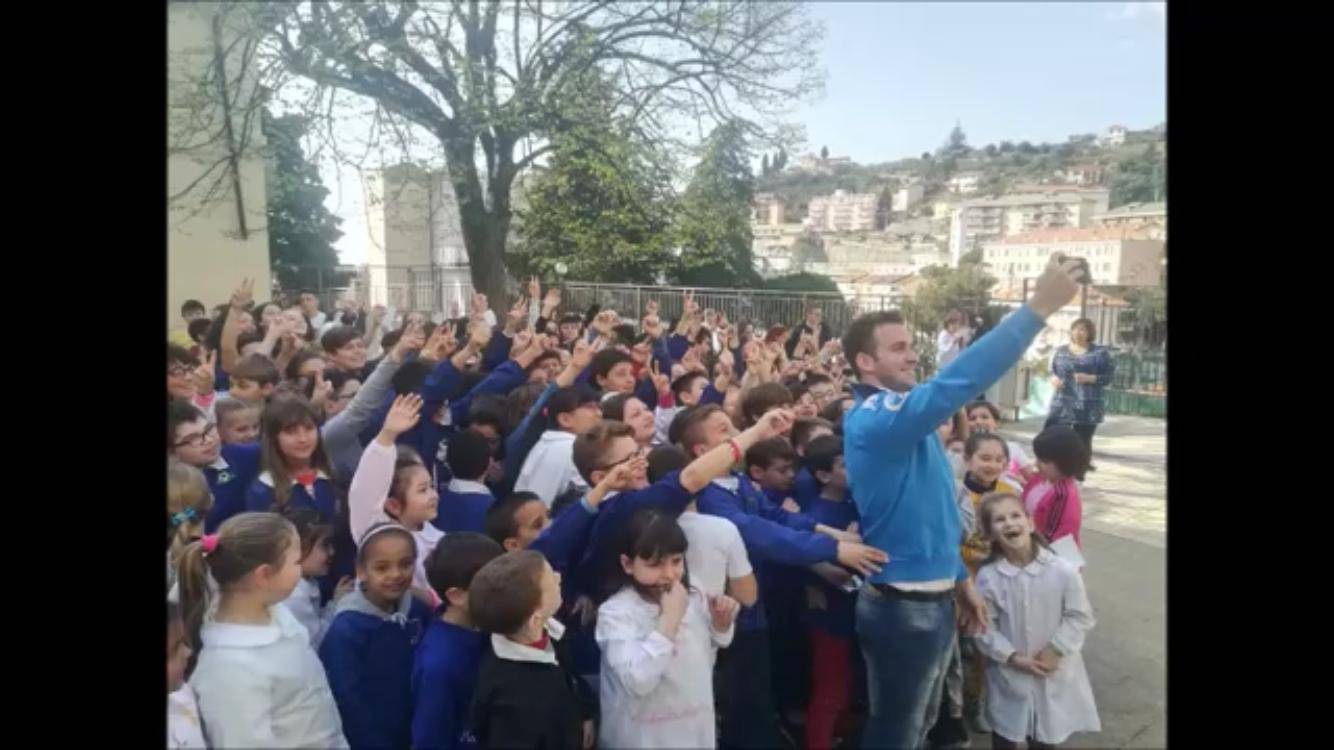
(368, 650)
(294, 469)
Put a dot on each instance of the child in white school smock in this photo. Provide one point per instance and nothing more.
(1037, 689)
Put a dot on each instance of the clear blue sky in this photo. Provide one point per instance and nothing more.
(900, 74)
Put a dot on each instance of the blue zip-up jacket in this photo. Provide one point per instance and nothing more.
(228, 479)
(771, 534)
(897, 469)
(666, 495)
(444, 672)
(368, 657)
(805, 490)
(566, 535)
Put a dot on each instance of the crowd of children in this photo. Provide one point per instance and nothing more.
(566, 530)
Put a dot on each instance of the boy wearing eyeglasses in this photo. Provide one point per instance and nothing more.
(229, 469)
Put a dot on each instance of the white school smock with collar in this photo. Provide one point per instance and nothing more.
(263, 686)
(1031, 607)
(304, 604)
(656, 692)
(183, 728)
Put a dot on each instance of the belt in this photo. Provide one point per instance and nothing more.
(885, 589)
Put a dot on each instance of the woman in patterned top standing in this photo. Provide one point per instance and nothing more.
(1080, 371)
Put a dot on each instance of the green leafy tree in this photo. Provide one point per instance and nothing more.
(713, 225)
(780, 161)
(1139, 179)
(802, 282)
(602, 208)
(966, 288)
(764, 165)
(301, 230)
(956, 144)
(482, 85)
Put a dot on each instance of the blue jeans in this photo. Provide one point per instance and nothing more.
(907, 640)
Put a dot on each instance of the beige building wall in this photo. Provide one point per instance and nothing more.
(206, 255)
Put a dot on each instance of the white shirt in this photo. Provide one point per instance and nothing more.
(183, 728)
(716, 552)
(656, 692)
(263, 686)
(549, 469)
(304, 604)
(948, 346)
(1043, 603)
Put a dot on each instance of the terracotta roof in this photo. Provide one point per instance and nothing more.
(1071, 234)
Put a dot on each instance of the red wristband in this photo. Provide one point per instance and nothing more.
(736, 451)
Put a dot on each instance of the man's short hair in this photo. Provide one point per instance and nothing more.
(198, 329)
(506, 591)
(604, 360)
(229, 406)
(803, 427)
(822, 451)
(689, 424)
(193, 306)
(468, 456)
(684, 383)
(764, 453)
(246, 338)
(817, 378)
(500, 523)
(338, 337)
(456, 559)
(567, 400)
(756, 402)
(860, 338)
(665, 459)
(983, 404)
(179, 412)
(257, 368)
(177, 354)
(571, 317)
(591, 447)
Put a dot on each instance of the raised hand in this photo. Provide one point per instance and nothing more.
(377, 314)
(441, 344)
(603, 322)
(202, 376)
(523, 351)
(517, 315)
(722, 611)
(551, 301)
(534, 288)
(413, 339)
(691, 361)
(479, 305)
(652, 325)
(661, 383)
(775, 422)
(584, 351)
(622, 476)
(479, 335)
(244, 294)
(323, 389)
(403, 414)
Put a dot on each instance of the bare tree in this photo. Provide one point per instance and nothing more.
(490, 80)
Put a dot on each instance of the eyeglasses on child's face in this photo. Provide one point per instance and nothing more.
(640, 451)
(198, 439)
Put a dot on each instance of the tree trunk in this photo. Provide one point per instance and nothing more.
(484, 230)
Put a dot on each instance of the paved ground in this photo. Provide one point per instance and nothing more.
(1125, 537)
